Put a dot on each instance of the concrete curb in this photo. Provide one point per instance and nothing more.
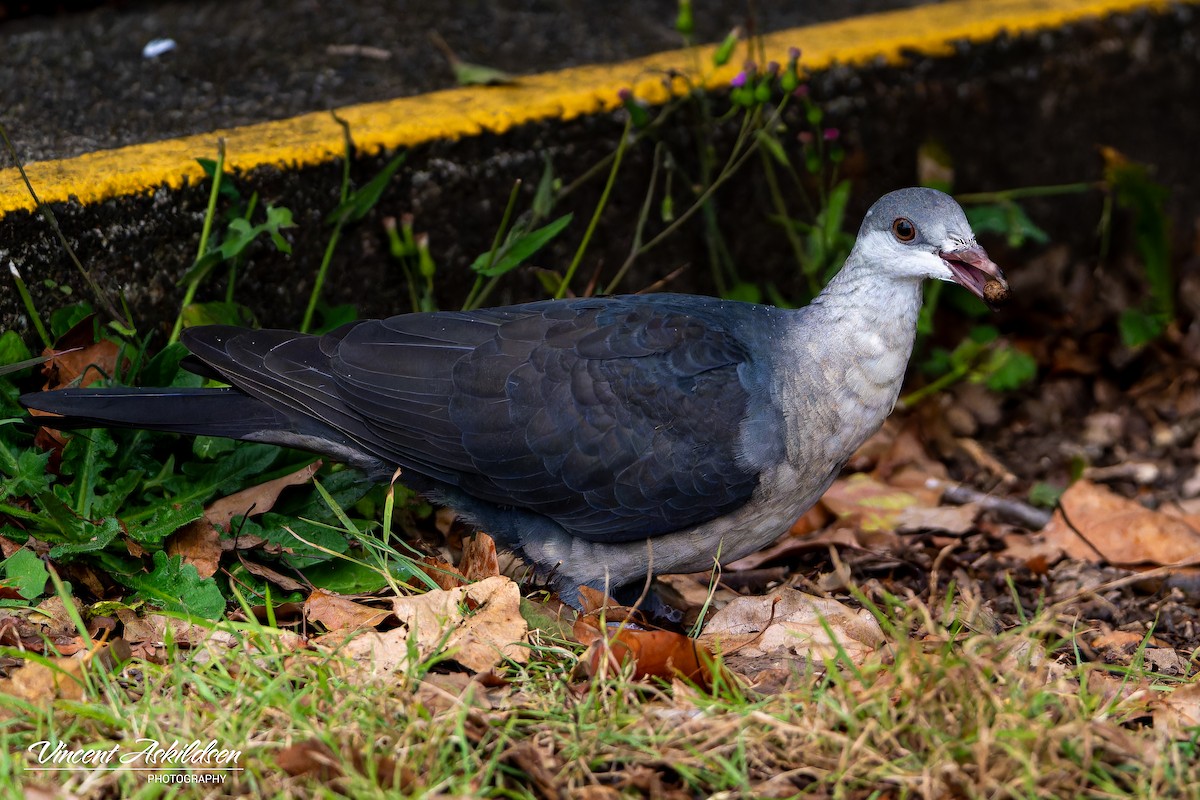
(315, 138)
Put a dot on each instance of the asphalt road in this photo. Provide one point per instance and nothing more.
(74, 83)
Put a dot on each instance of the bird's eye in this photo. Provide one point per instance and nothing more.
(904, 230)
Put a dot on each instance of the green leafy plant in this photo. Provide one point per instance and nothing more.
(1133, 189)
(980, 358)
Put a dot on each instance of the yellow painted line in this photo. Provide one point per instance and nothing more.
(314, 138)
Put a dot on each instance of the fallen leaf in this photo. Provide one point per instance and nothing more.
(256, 499)
(41, 684)
(653, 653)
(311, 757)
(479, 559)
(79, 366)
(1177, 714)
(1118, 531)
(442, 691)
(199, 544)
(478, 626)
(790, 621)
(1036, 554)
(274, 576)
(868, 503)
(339, 613)
(442, 573)
(957, 520)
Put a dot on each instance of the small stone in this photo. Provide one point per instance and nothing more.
(995, 291)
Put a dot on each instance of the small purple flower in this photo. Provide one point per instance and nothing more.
(625, 94)
(805, 137)
(739, 80)
(801, 91)
(793, 54)
(772, 67)
(831, 134)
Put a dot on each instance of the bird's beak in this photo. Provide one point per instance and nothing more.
(971, 267)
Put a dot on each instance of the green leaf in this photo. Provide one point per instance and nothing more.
(345, 487)
(209, 447)
(346, 577)
(200, 481)
(67, 317)
(13, 349)
(725, 51)
(227, 188)
(744, 292)
(90, 537)
(983, 334)
(468, 74)
(331, 317)
(178, 588)
(1009, 369)
(362, 200)
(200, 268)
(26, 573)
(519, 247)
(318, 538)
(85, 456)
(163, 369)
(26, 471)
(240, 233)
(217, 313)
(543, 197)
(1007, 219)
(168, 519)
(116, 492)
(1045, 495)
(1139, 328)
(772, 146)
(1137, 192)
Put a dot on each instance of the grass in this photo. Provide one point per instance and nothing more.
(930, 715)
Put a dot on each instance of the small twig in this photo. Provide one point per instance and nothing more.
(1012, 510)
(663, 281)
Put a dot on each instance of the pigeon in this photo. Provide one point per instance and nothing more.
(603, 439)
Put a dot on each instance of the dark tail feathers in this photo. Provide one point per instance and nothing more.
(196, 412)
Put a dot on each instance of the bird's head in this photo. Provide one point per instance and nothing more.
(923, 233)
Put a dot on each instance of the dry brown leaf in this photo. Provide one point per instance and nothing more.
(339, 613)
(870, 504)
(199, 543)
(256, 499)
(1178, 714)
(479, 625)
(957, 520)
(689, 594)
(1118, 531)
(274, 576)
(86, 364)
(442, 573)
(152, 628)
(311, 757)
(790, 621)
(41, 684)
(479, 559)
(906, 462)
(654, 653)
(8, 547)
(815, 519)
(441, 691)
(1036, 554)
